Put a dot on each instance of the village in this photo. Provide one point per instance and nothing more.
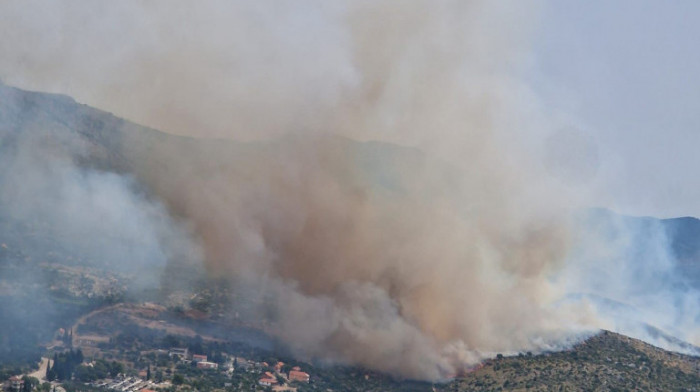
(168, 370)
(132, 348)
(188, 342)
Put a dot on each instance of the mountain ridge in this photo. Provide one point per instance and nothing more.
(108, 143)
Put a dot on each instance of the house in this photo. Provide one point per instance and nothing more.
(267, 381)
(206, 365)
(242, 363)
(278, 367)
(16, 383)
(297, 375)
(269, 375)
(178, 352)
(196, 358)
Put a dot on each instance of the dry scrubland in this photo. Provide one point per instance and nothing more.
(605, 362)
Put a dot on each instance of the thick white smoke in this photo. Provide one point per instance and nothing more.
(80, 215)
(416, 261)
(625, 271)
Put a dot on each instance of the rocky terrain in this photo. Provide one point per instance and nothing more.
(605, 362)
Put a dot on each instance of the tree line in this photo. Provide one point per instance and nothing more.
(64, 365)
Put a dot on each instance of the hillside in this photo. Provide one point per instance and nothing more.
(94, 139)
(683, 234)
(57, 247)
(50, 278)
(680, 238)
(605, 362)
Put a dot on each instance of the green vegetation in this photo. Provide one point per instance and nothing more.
(29, 384)
(605, 362)
(64, 365)
(99, 369)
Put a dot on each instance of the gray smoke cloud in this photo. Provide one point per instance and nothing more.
(626, 272)
(417, 260)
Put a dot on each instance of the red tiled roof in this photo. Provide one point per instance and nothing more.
(295, 375)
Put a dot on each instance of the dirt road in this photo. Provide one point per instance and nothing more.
(41, 373)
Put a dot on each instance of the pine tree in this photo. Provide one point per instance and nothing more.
(51, 368)
(148, 372)
(27, 386)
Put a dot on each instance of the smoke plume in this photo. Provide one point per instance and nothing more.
(391, 198)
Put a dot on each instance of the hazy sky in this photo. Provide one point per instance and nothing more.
(628, 72)
(623, 75)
